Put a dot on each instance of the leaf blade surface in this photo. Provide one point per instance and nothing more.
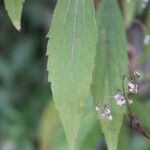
(71, 51)
(110, 66)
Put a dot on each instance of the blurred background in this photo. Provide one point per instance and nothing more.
(28, 119)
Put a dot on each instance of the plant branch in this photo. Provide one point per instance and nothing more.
(124, 94)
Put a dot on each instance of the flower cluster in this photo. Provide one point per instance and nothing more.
(133, 87)
(120, 98)
(104, 112)
(132, 84)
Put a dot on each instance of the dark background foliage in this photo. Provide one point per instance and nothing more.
(24, 89)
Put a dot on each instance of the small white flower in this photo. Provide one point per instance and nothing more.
(137, 74)
(97, 107)
(106, 113)
(110, 117)
(120, 99)
(147, 40)
(106, 109)
(120, 103)
(133, 87)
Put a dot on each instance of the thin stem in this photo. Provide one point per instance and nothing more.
(124, 94)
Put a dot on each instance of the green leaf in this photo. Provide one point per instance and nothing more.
(130, 10)
(88, 135)
(48, 125)
(14, 9)
(71, 51)
(142, 109)
(110, 66)
(89, 132)
(52, 133)
(123, 141)
(146, 52)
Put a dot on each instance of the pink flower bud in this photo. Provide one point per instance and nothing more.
(120, 99)
(133, 87)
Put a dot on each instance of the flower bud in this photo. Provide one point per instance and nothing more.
(133, 87)
(105, 113)
(120, 99)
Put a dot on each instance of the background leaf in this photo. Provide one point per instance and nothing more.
(90, 132)
(130, 9)
(14, 9)
(48, 125)
(52, 132)
(71, 50)
(110, 65)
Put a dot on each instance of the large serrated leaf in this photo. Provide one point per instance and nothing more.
(14, 9)
(110, 65)
(71, 51)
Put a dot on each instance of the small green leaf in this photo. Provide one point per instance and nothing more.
(110, 66)
(14, 9)
(71, 51)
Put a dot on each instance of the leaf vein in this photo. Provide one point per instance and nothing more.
(73, 42)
